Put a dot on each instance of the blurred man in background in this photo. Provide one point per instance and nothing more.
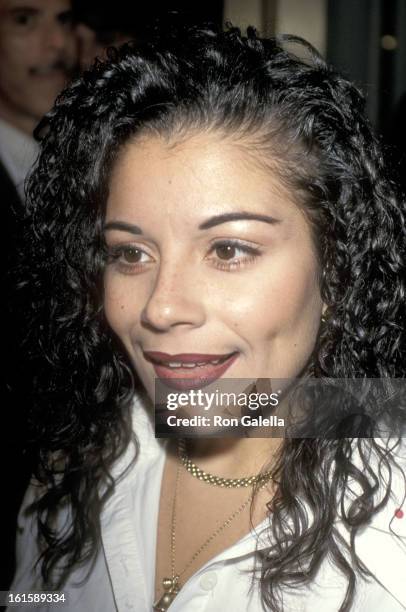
(37, 55)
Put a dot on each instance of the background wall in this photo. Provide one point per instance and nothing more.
(305, 18)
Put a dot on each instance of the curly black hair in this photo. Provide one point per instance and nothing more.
(310, 122)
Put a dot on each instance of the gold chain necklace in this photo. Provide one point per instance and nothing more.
(171, 585)
(218, 481)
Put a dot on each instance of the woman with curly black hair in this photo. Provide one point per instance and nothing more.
(208, 206)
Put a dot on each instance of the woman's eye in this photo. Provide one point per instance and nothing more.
(226, 251)
(128, 258)
(230, 255)
(131, 255)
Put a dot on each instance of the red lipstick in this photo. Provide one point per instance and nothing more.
(184, 371)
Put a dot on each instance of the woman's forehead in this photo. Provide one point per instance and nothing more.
(196, 176)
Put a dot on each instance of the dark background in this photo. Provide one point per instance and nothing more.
(367, 40)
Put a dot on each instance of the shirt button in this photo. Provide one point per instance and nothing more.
(208, 581)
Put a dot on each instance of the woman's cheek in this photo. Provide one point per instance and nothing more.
(115, 304)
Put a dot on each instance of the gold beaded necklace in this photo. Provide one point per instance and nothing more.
(171, 585)
(218, 481)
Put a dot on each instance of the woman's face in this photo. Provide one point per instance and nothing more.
(212, 270)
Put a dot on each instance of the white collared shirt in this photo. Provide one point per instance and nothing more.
(122, 577)
(18, 152)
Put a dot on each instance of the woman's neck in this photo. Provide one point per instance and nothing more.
(233, 457)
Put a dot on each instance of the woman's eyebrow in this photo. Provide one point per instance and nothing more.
(236, 216)
(123, 227)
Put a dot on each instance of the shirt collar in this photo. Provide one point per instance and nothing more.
(18, 152)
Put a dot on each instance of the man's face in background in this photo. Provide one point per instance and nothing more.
(38, 51)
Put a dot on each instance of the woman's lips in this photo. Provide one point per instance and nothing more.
(189, 370)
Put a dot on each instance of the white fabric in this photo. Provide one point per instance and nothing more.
(18, 152)
(122, 578)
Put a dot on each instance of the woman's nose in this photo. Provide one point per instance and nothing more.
(175, 300)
